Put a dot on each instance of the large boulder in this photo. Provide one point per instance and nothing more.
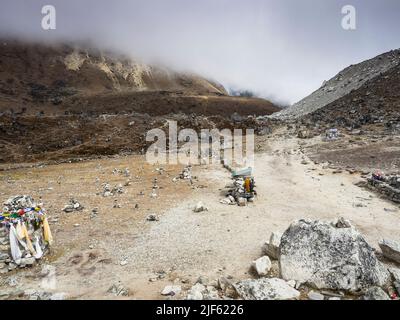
(329, 256)
(266, 289)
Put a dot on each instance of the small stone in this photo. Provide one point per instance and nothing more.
(271, 248)
(376, 293)
(203, 280)
(118, 290)
(312, 295)
(171, 290)
(68, 209)
(396, 284)
(292, 283)
(262, 266)
(200, 207)
(196, 292)
(227, 287)
(390, 250)
(28, 261)
(123, 263)
(152, 217)
(266, 289)
(58, 296)
(242, 202)
(395, 273)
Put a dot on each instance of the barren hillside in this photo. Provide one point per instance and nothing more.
(346, 81)
(63, 101)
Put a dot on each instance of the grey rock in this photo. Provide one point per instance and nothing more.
(242, 202)
(118, 290)
(4, 256)
(376, 293)
(196, 292)
(396, 284)
(266, 289)
(395, 273)
(390, 250)
(211, 293)
(58, 296)
(28, 261)
(200, 207)
(271, 248)
(171, 290)
(329, 256)
(262, 266)
(312, 295)
(152, 217)
(19, 202)
(227, 287)
(203, 280)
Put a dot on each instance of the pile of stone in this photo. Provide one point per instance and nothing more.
(237, 194)
(325, 256)
(389, 186)
(72, 206)
(124, 172)
(318, 261)
(109, 191)
(24, 233)
(186, 174)
(331, 134)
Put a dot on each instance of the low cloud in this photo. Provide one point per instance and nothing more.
(278, 49)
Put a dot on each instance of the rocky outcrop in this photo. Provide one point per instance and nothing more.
(329, 256)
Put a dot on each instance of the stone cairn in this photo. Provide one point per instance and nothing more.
(25, 234)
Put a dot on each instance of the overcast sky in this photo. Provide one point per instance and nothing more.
(280, 49)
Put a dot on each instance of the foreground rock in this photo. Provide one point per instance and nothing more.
(202, 292)
(200, 207)
(329, 256)
(390, 250)
(266, 289)
(262, 266)
(376, 293)
(171, 290)
(271, 248)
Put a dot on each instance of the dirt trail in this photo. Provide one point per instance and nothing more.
(224, 240)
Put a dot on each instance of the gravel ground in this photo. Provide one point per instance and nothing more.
(184, 245)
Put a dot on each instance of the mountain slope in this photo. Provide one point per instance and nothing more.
(35, 78)
(36, 72)
(63, 102)
(351, 78)
(377, 101)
